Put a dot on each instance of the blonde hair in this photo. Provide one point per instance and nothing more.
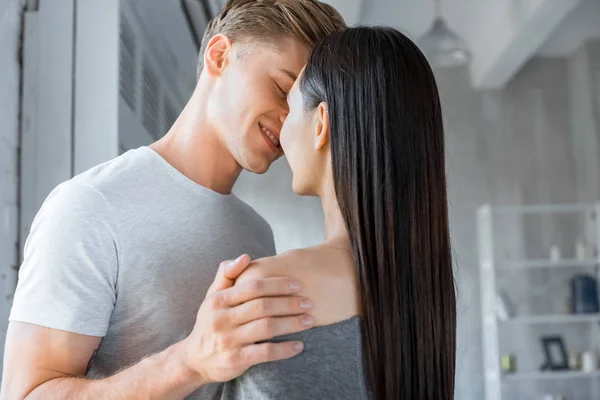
(309, 21)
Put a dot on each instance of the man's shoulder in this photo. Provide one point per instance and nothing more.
(120, 172)
(72, 196)
(89, 195)
(257, 220)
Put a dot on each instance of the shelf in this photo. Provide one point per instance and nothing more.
(530, 376)
(553, 319)
(566, 263)
(543, 209)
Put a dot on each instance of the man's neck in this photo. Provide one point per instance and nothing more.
(193, 147)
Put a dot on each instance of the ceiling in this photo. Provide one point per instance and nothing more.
(502, 34)
(413, 17)
(582, 24)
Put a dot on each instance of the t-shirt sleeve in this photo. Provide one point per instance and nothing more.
(68, 277)
(270, 240)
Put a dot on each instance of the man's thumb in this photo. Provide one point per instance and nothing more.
(235, 268)
(228, 273)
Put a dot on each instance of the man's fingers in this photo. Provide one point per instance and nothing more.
(223, 279)
(235, 268)
(267, 352)
(269, 307)
(268, 328)
(257, 288)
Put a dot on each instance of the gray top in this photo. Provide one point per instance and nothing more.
(332, 366)
(127, 251)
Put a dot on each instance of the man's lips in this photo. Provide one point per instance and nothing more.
(271, 134)
(271, 138)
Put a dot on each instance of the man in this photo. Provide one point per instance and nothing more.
(120, 258)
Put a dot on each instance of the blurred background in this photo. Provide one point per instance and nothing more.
(82, 81)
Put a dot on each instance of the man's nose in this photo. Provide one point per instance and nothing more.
(282, 117)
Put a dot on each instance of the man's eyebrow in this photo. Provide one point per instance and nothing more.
(289, 73)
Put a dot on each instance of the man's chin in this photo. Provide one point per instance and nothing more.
(258, 168)
(258, 171)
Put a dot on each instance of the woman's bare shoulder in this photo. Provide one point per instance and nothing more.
(318, 261)
(328, 278)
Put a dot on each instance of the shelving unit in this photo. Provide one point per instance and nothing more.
(551, 375)
(492, 265)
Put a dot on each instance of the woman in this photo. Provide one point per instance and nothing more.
(365, 134)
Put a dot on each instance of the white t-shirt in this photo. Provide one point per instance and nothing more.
(127, 251)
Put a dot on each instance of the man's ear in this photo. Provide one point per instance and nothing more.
(217, 54)
(322, 126)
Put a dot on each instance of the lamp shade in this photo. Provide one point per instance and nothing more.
(442, 47)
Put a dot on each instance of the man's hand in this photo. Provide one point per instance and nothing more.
(231, 320)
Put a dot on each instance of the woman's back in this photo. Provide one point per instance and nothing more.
(332, 365)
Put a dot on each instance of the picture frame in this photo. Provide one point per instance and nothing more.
(555, 353)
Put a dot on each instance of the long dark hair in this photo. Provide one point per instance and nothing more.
(387, 149)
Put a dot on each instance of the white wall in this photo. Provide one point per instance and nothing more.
(584, 97)
(10, 23)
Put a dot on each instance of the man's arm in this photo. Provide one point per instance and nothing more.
(44, 363)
